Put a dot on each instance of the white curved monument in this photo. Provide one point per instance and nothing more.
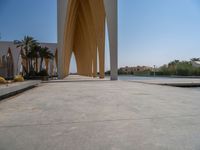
(81, 30)
(196, 64)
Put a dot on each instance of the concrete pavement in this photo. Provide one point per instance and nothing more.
(106, 115)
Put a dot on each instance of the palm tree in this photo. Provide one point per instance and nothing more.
(44, 54)
(37, 55)
(195, 59)
(32, 54)
(26, 44)
(173, 66)
(173, 63)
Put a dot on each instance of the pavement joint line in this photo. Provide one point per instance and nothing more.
(97, 121)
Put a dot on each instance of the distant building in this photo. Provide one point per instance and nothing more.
(133, 70)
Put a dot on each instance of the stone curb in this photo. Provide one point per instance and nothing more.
(11, 91)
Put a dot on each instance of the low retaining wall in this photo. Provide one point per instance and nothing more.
(15, 88)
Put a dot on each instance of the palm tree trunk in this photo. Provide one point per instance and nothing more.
(31, 64)
(26, 65)
(36, 62)
(41, 63)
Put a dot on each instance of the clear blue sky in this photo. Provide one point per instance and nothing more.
(150, 31)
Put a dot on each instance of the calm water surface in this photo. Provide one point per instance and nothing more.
(130, 78)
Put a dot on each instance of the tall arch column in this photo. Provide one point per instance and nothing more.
(112, 23)
(81, 29)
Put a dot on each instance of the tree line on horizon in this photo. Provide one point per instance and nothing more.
(179, 68)
(173, 68)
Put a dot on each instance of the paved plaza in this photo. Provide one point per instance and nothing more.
(101, 115)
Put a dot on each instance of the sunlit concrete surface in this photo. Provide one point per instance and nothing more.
(104, 115)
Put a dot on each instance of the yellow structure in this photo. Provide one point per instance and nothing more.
(81, 30)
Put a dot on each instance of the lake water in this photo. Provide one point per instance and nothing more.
(129, 78)
(135, 78)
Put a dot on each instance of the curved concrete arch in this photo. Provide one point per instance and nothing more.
(68, 35)
(112, 23)
(56, 57)
(83, 33)
(86, 24)
(87, 20)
